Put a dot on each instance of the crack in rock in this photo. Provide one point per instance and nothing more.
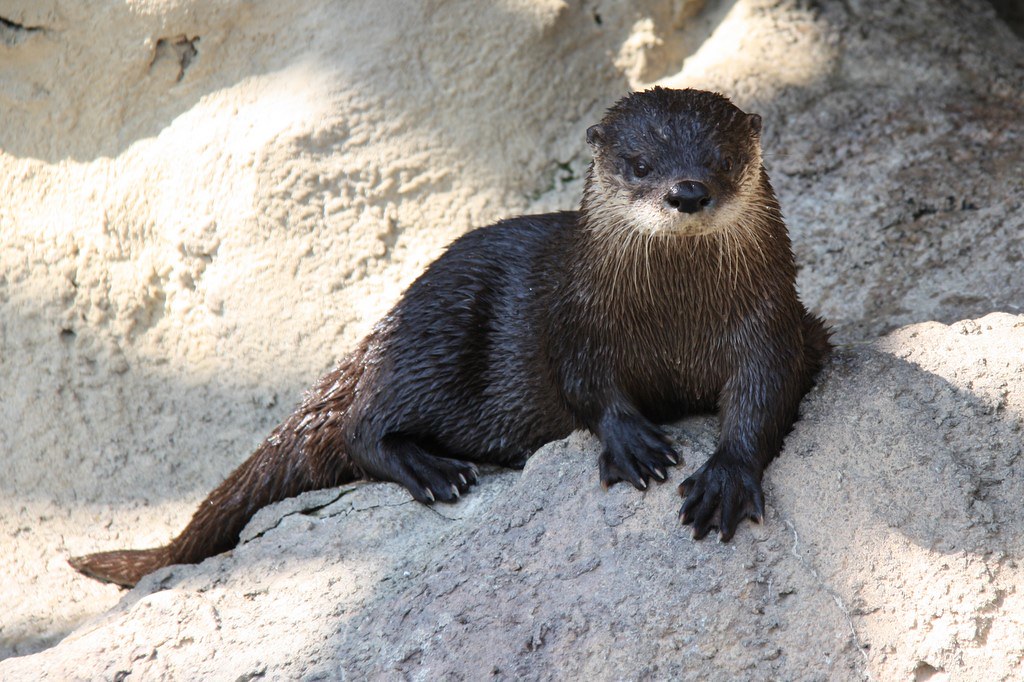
(304, 511)
(12, 33)
(832, 593)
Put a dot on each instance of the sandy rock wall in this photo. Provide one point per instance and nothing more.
(205, 204)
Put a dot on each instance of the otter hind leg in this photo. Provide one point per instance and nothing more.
(427, 477)
(634, 450)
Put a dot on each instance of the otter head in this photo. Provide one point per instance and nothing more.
(673, 161)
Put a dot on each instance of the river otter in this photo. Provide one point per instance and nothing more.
(671, 291)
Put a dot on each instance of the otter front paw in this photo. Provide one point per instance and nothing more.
(635, 450)
(728, 491)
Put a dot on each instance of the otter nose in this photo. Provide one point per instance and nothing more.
(688, 196)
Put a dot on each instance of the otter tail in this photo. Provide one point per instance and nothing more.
(301, 454)
(122, 567)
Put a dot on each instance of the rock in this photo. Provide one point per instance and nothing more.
(207, 203)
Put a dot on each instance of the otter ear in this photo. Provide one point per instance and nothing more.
(595, 135)
(755, 122)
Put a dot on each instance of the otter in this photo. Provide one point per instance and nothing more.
(671, 291)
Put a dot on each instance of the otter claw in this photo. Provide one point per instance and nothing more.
(720, 495)
(634, 450)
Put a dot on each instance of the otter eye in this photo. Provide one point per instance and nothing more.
(727, 164)
(640, 168)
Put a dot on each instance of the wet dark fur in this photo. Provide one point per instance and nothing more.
(528, 329)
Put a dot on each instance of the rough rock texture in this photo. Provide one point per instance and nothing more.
(206, 203)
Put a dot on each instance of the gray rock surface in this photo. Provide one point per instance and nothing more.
(210, 204)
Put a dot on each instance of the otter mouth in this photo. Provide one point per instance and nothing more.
(687, 208)
(684, 205)
(692, 206)
(688, 205)
(693, 225)
(672, 216)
